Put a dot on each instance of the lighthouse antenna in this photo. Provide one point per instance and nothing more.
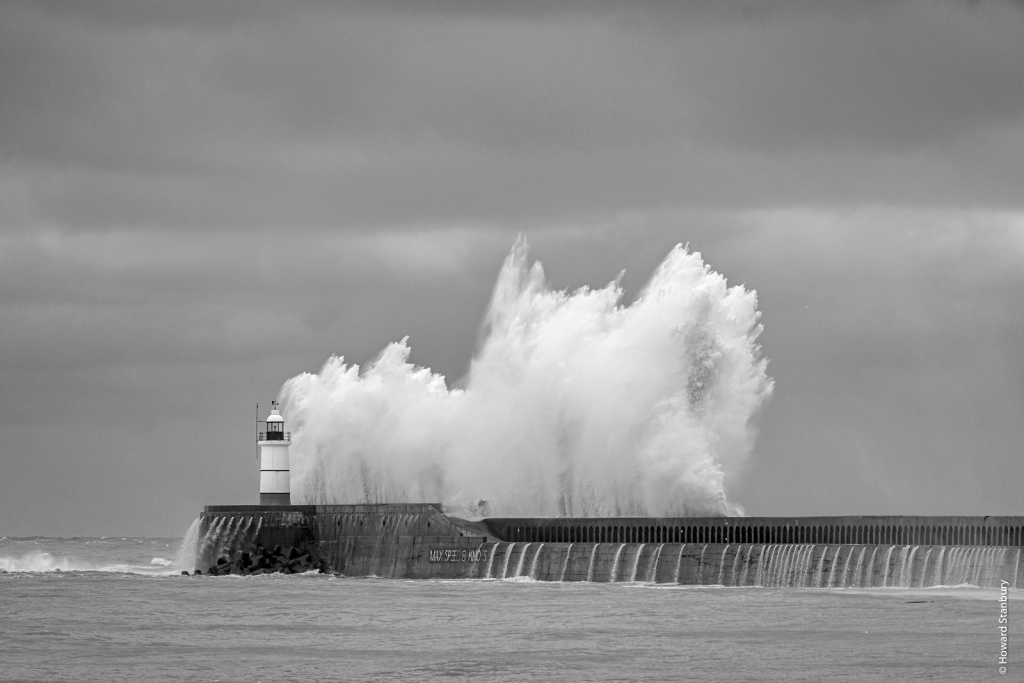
(257, 431)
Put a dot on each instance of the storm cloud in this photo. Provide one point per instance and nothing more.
(200, 200)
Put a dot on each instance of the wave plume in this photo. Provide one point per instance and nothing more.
(575, 405)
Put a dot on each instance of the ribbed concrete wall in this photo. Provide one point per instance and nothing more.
(980, 531)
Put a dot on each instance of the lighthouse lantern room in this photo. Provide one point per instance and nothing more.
(274, 473)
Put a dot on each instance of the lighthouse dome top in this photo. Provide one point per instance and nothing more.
(275, 412)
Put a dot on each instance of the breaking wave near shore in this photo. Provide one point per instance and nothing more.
(574, 405)
(117, 555)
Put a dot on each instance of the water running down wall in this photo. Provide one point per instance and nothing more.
(781, 565)
(419, 541)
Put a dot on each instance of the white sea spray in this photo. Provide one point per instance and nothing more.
(574, 404)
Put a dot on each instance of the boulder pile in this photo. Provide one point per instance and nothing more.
(263, 561)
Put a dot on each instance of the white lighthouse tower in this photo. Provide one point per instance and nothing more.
(273, 445)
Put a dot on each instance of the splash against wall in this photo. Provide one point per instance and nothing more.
(574, 405)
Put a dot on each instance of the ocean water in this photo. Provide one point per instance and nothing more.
(118, 609)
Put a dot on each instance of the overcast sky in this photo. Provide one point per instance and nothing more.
(200, 200)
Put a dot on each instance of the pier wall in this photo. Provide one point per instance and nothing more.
(418, 541)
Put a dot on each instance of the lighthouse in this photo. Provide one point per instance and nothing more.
(273, 445)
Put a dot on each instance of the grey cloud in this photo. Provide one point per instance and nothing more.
(369, 116)
(158, 14)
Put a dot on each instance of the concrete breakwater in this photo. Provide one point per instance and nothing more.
(772, 565)
(419, 541)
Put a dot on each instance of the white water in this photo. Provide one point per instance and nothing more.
(186, 557)
(925, 565)
(746, 566)
(636, 562)
(522, 558)
(565, 565)
(652, 569)
(508, 553)
(490, 561)
(937, 574)
(866, 578)
(774, 575)
(679, 563)
(820, 570)
(846, 566)
(834, 566)
(887, 566)
(533, 565)
(152, 557)
(593, 556)
(223, 535)
(735, 564)
(905, 567)
(574, 405)
(765, 557)
(721, 565)
(615, 564)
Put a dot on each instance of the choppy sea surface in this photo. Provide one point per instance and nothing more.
(118, 609)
